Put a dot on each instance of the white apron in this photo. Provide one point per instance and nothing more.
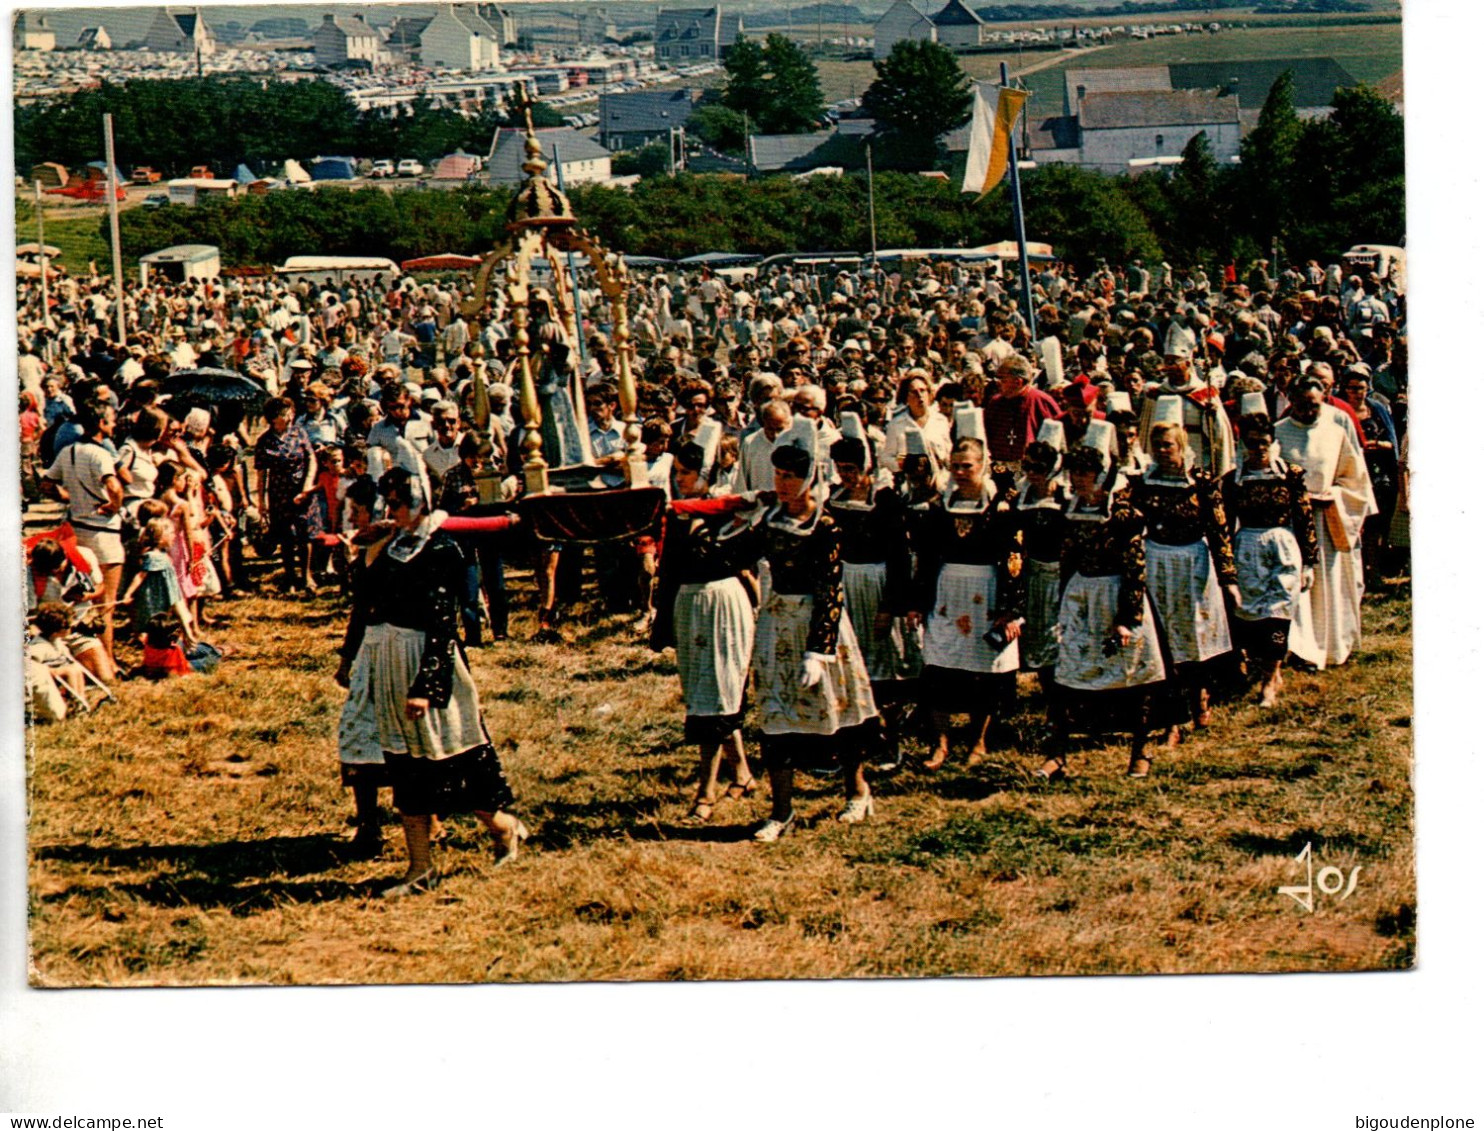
(841, 699)
(392, 656)
(961, 615)
(1270, 569)
(888, 655)
(1043, 603)
(1182, 587)
(1089, 608)
(714, 631)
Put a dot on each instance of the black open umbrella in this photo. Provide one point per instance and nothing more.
(212, 389)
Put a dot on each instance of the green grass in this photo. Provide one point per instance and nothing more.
(194, 833)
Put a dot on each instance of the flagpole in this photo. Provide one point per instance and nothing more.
(1018, 213)
(113, 221)
(871, 203)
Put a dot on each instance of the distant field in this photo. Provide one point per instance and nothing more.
(1369, 51)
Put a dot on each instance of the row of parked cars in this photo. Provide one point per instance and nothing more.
(406, 167)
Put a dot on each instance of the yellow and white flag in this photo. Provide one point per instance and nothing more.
(989, 136)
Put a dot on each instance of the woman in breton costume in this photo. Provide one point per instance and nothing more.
(1041, 496)
(1326, 623)
(813, 691)
(704, 612)
(1108, 656)
(411, 666)
(1188, 563)
(1132, 459)
(877, 578)
(970, 590)
(1275, 545)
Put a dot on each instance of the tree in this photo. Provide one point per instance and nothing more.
(746, 88)
(795, 103)
(719, 126)
(774, 85)
(919, 94)
(1269, 162)
(1198, 226)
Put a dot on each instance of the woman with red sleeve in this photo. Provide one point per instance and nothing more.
(703, 611)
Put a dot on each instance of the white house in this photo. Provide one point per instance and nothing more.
(339, 39)
(583, 161)
(180, 33)
(459, 39)
(32, 33)
(1119, 127)
(901, 21)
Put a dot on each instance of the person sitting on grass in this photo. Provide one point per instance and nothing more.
(52, 621)
(165, 656)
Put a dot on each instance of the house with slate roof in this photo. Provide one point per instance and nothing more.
(959, 26)
(627, 121)
(583, 161)
(180, 33)
(31, 32)
(339, 39)
(694, 35)
(903, 20)
(459, 39)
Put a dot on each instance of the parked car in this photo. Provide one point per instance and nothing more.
(157, 200)
(202, 173)
(384, 168)
(144, 175)
(407, 167)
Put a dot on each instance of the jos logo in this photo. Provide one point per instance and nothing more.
(1330, 881)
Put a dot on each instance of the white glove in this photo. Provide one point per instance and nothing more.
(814, 665)
(1308, 579)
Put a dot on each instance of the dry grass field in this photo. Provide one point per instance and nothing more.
(195, 833)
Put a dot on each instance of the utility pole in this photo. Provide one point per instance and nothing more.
(871, 204)
(46, 305)
(113, 222)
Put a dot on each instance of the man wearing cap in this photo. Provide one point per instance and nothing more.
(1326, 624)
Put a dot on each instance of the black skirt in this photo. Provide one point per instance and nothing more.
(467, 782)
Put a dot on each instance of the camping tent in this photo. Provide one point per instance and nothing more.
(245, 175)
(294, 173)
(1008, 249)
(102, 168)
(458, 166)
(334, 169)
(50, 174)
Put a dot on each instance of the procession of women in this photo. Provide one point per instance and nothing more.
(900, 512)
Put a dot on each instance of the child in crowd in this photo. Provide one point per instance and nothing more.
(165, 656)
(156, 587)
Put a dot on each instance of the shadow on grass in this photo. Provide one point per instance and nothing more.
(239, 899)
(212, 875)
(1257, 844)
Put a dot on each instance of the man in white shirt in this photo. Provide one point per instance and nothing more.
(440, 455)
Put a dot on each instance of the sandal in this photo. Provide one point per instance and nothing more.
(742, 789)
(1139, 766)
(700, 813)
(1053, 769)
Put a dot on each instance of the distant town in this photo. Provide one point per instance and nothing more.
(617, 85)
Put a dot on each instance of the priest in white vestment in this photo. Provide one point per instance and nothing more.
(1326, 624)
